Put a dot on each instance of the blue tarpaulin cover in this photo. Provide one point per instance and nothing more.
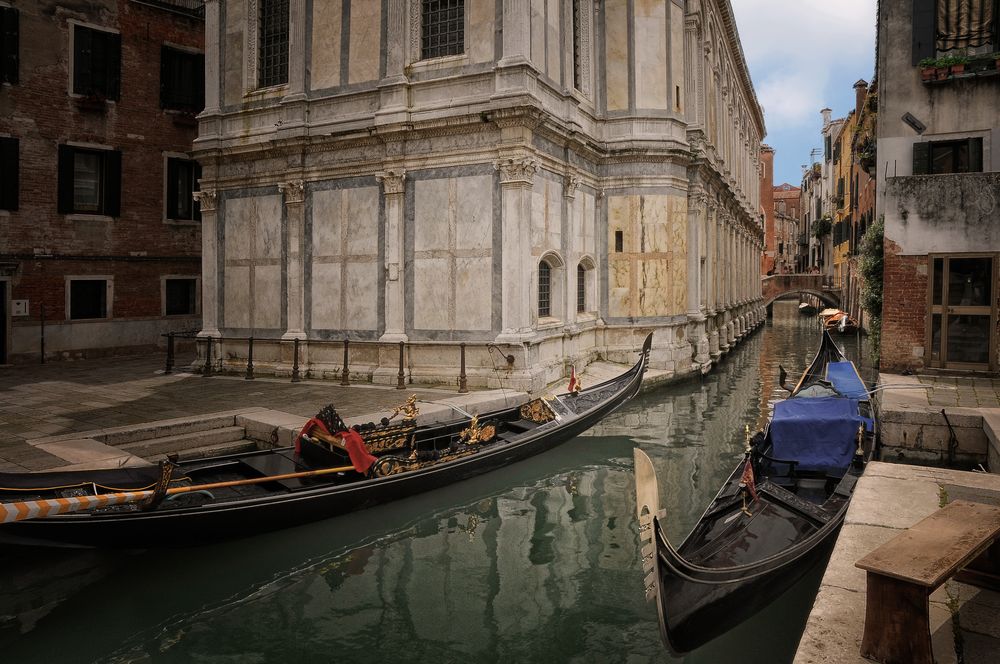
(845, 380)
(820, 433)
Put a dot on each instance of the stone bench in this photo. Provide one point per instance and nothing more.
(903, 572)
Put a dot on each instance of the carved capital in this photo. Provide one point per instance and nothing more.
(206, 199)
(516, 171)
(392, 181)
(570, 183)
(294, 191)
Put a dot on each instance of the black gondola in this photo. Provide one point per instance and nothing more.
(182, 504)
(777, 514)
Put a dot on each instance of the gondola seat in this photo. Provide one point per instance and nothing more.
(820, 433)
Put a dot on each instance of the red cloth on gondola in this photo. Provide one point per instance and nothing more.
(353, 442)
(748, 479)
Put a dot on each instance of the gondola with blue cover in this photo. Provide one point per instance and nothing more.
(776, 515)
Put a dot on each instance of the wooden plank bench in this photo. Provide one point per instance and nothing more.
(903, 572)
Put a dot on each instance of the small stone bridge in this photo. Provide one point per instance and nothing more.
(778, 286)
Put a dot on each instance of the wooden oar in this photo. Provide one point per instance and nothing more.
(36, 509)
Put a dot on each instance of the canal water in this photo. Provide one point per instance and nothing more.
(538, 562)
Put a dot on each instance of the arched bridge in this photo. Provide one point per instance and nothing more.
(777, 286)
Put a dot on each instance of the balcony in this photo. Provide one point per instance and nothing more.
(944, 70)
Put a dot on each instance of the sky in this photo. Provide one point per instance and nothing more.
(804, 55)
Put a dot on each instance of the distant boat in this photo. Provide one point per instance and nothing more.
(807, 309)
(835, 320)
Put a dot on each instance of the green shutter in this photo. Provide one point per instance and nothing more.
(113, 52)
(112, 183)
(82, 55)
(975, 155)
(8, 174)
(65, 180)
(921, 158)
(9, 37)
(166, 78)
(923, 30)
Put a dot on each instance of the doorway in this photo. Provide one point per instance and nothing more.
(962, 314)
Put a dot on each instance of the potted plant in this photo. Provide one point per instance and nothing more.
(957, 64)
(927, 69)
(996, 60)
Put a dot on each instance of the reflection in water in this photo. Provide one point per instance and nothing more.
(536, 562)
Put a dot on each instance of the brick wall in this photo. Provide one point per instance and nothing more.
(137, 247)
(904, 309)
(767, 203)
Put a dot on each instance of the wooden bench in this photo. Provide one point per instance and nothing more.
(903, 572)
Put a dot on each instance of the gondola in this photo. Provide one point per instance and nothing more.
(776, 515)
(333, 469)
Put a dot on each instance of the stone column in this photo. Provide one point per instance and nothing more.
(393, 188)
(570, 183)
(516, 180)
(393, 88)
(516, 33)
(213, 80)
(696, 206)
(293, 103)
(294, 193)
(209, 264)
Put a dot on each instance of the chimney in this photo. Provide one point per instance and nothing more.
(826, 113)
(860, 92)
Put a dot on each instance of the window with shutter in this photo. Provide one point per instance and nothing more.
(9, 172)
(182, 182)
(182, 80)
(956, 156)
(9, 47)
(89, 181)
(96, 63)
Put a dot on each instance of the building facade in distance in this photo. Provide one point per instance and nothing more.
(938, 184)
(551, 178)
(99, 235)
(786, 227)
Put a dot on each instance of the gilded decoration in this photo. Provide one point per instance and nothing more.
(537, 411)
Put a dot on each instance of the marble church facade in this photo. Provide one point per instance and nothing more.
(552, 178)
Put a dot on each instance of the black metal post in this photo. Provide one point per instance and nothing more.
(207, 369)
(345, 376)
(295, 361)
(42, 340)
(170, 353)
(463, 382)
(249, 375)
(401, 377)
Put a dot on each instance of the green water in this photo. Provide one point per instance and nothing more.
(537, 562)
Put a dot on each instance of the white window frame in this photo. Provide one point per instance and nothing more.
(71, 25)
(108, 301)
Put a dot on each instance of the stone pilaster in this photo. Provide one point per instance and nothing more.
(212, 51)
(393, 189)
(294, 193)
(516, 33)
(209, 263)
(516, 181)
(393, 88)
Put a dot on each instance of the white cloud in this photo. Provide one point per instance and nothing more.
(790, 97)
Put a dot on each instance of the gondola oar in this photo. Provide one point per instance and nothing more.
(36, 509)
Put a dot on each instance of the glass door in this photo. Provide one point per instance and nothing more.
(962, 315)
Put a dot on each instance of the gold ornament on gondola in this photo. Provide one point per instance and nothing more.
(477, 434)
(408, 409)
(537, 411)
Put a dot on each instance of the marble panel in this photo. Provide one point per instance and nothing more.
(474, 212)
(267, 297)
(236, 306)
(327, 217)
(620, 218)
(360, 296)
(616, 54)
(677, 57)
(619, 286)
(553, 48)
(433, 206)
(473, 293)
(538, 209)
(651, 54)
(655, 235)
(232, 92)
(362, 221)
(265, 211)
(654, 287)
(482, 17)
(366, 36)
(238, 228)
(326, 26)
(432, 304)
(326, 287)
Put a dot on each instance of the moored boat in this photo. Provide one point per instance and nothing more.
(332, 470)
(774, 518)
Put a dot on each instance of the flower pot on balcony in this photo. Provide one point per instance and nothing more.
(941, 73)
(958, 69)
(927, 73)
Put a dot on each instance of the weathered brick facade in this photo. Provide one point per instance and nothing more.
(904, 311)
(39, 246)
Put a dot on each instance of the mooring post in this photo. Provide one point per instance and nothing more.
(401, 377)
(170, 353)
(345, 378)
(249, 375)
(207, 369)
(295, 361)
(463, 382)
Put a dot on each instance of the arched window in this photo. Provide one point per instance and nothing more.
(581, 288)
(544, 290)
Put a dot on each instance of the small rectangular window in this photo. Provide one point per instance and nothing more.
(442, 28)
(544, 290)
(88, 298)
(96, 63)
(941, 157)
(182, 80)
(272, 25)
(9, 48)
(577, 74)
(581, 289)
(180, 297)
(9, 174)
(619, 241)
(182, 182)
(89, 181)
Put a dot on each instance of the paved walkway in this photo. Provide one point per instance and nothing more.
(37, 401)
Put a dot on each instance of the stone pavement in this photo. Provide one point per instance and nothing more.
(38, 401)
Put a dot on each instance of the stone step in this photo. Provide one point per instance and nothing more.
(216, 449)
(121, 436)
(185, 442)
